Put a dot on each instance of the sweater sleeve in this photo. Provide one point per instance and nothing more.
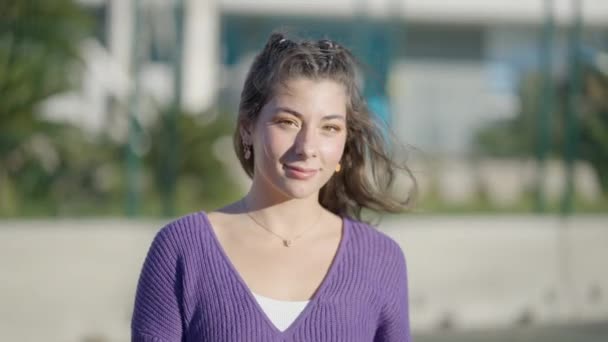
(156, 315)
(394, 324)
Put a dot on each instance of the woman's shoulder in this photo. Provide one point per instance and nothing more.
(379, 254)
(377, 242)
(186, 222)
(183, 228)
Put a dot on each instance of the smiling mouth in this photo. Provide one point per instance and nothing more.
(298, 172)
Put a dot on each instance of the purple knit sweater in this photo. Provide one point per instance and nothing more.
(189, 291)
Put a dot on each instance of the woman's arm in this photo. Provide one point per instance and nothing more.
(157, 315)
(394, 320)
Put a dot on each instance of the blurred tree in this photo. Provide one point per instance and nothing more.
(593, 144)
(38, 56)
(203, 180)
(516, 137)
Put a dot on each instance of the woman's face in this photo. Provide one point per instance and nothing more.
(299, 137)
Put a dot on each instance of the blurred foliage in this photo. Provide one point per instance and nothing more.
(593, 145)
(80, 176)
(38, 45)
(49, 168)
(203, 180)
(518, 137)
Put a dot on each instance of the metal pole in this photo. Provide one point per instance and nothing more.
(543, 126)
(133, 163)
(571, 124)
(569, 158)
(172, 157)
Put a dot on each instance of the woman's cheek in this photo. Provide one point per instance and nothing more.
(268, 141)
(278, 143)
(332, 151)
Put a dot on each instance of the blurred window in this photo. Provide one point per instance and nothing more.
(443, 42)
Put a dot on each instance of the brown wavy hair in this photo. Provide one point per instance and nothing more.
(368, 167)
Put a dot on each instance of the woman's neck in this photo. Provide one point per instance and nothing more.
(285, 217)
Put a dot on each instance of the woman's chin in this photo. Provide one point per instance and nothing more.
(299, 190)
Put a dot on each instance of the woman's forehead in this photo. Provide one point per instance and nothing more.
(310, 97)
(323, 89)
(296, 84)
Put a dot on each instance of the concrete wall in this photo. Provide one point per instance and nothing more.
(74, 280)
(474, 272)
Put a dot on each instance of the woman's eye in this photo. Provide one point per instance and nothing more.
(287, 123)
(332, 128)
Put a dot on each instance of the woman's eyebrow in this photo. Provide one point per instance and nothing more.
(300, 116)
(290, 111)
(333, 116)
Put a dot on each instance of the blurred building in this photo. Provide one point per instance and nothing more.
(471, 53)
(436, 70)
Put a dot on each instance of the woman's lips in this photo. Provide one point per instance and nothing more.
(299, 172)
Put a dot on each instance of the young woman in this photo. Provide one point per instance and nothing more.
(291, 260)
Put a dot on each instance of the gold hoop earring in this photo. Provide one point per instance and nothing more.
(338, 167)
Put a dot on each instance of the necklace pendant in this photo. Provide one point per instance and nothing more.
(287, 243)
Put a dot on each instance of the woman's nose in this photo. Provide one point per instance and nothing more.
(306, 143)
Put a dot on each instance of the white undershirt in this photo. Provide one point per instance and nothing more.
(280, 312)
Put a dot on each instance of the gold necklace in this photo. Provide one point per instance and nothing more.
(286, 242)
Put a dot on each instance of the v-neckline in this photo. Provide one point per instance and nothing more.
(311, 302)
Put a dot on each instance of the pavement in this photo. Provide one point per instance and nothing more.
(575, 332)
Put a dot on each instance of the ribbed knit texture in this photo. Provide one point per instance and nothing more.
(189, 291)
